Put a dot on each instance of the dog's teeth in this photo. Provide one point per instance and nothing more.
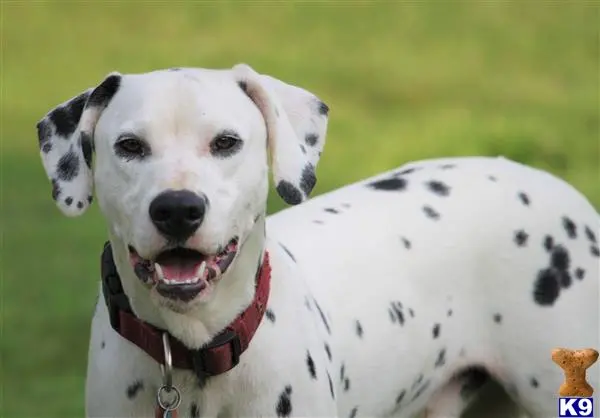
(200, 271)
(159, 273)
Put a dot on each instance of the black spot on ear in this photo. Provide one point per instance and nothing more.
(521, 238)
(68, 166)
(288, 252)
(312, 371)
(308, 179)
(546, 288)
(68, 201)
(331, 210)
(590, 234)
(323, 109)
(548, 242)
(441, 359)
(524, 198)
(85, 141)
(579, 273)
(44, 132)
(47, 147)
(56, 191)
(389, 184)
(311, 139)
(328, 351)
(353, 412)
(284, 405)
(436, 330)
(330, 386)
(497, 318)
(534, 382)
(359, 329)
(102, 94)
(194, 411)
(79, 205)
(289, 193)
(431, 213)
(438, 188)
(270, 315)
(570, 227)
(66, 118)
(134, 388)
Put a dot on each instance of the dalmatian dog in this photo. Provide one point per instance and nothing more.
(400, 295)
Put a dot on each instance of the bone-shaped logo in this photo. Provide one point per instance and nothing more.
(574, 364)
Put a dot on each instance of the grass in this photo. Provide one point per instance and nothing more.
(404, 80)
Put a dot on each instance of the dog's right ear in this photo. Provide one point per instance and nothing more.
(66, 139)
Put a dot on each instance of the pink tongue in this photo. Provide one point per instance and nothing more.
(179, 272)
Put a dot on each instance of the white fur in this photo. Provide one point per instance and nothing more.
(354, 263)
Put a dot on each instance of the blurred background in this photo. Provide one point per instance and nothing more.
(404, 81)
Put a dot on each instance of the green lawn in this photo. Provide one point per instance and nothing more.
(404, 80)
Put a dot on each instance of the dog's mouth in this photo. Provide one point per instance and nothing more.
(183, 273)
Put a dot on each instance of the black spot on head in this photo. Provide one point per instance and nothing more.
(270, 315)
(359, 329)
(102, 94)
(330, 386)
(308, 179)
(56, 191)
(579, 273)
(400, 396)
(389, 184)
(406, 243)
(492, 178)
(85, 141)
(438, 187)
(323, 318)
(303, 148)
(595, 251)
(497, 318)
(534, 382)
(284, 405)
(559, 258)
(436, 330)
(441, 359)
(289, 193)
(521, 238)
(68, 166)
(68, 201)
(590, 234)
(331, 210)
(328, 351)
(407, 171)
(546, 288)
(323, 109)
(570, 227)
(431, 213)
(288, 252)
(311, 139)
(194, 411)
(353, 412)
(312, 371)
(79, 205)
(473, 379)
(66, 118)
(548, 242)
(524, 198)
(134, 388)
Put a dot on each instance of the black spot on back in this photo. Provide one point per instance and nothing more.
(331, 210)
(323, 318)
(68, 166)
(400, 396)
(330, 386)
(570, 227)
(359, 329)
(521, 238)
(431, 213)
(312, 371)
(290, 193)
(421, 390)
(497, 318)
(134, 388)
(270, 315)
(438, 187)
(579, 273)
(548, 242)
(353, 412)
(560, 258)
(590, 234)
(389, 184)
(524, 198)
(328, 351)
(449, 314)
(595, 251)
(546, 288)
(284, 405)
(441, 358)
(406, 243)
(311, 139)
(534, 382)
(396, 313)
(492, 178)
(436, 330)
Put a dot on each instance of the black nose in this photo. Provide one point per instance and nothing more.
(177, 214)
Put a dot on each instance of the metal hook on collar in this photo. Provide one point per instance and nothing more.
(167, 368)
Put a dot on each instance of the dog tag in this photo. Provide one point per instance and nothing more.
(165, 413)
(168, 400)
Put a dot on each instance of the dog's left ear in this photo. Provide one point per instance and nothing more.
(66, 139)
(296, 122)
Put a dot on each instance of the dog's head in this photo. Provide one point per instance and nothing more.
(181, 164)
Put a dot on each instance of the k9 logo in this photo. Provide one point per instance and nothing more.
(575, 407)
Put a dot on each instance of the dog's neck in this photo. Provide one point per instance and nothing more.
(198, 325)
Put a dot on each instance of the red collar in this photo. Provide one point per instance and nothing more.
(218, 356)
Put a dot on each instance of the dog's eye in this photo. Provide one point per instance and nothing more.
(131, 147)
(225, 144)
